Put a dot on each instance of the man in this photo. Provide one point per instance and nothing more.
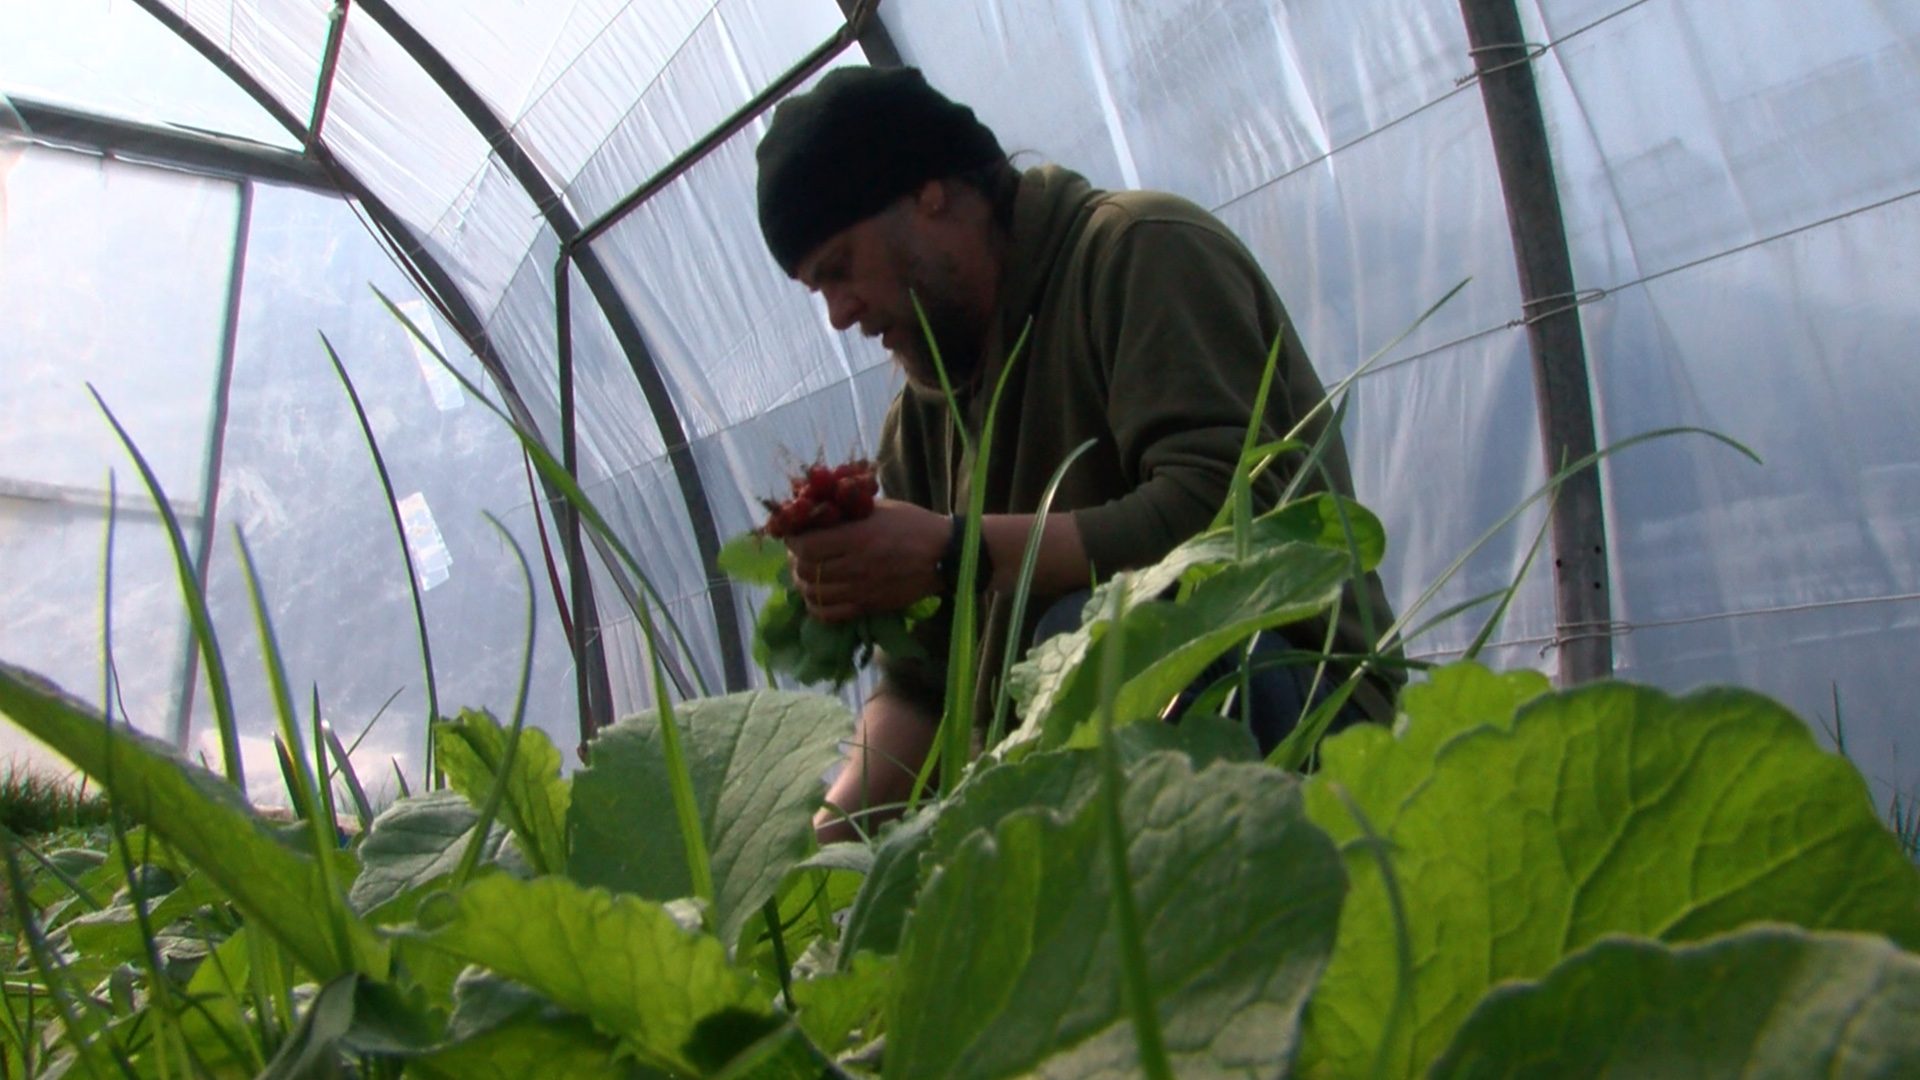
(1148, 327)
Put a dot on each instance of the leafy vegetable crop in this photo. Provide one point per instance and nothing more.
(1509, 882)
(786, 638)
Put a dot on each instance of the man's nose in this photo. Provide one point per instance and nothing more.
(843, 308)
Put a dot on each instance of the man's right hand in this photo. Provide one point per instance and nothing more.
(883, 563)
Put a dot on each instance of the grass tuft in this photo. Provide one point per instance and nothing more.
(34, 803)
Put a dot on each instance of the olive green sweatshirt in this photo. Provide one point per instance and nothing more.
(1150, 328)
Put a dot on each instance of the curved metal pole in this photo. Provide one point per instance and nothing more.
(626, 331)
(1503, 61)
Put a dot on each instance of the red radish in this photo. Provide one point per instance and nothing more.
(822, 496)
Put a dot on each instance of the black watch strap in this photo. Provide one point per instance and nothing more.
(949, 564)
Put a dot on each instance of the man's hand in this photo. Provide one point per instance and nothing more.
(883, 563)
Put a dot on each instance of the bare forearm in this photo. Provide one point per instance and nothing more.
(1061, 565)
(890, 742)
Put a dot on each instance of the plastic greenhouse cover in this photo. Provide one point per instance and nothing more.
(114, 275)
(111, 57)
(298, 481)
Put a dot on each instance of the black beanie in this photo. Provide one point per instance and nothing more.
(841, 152)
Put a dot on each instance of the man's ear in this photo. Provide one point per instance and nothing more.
(931, 199)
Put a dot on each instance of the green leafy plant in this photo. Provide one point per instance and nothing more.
(1509, 881)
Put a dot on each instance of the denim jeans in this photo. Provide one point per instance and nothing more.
(1276, 697)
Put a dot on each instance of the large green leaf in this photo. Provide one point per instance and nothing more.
(1312, 520)
(1771, 1003)
(1609, 809)
(414, 843)
(205, 820)
(1378, 768)
(470, 749)
(621, 961)
(1168, 644)
(756, 760)
(1009, 965)
(1063, 781)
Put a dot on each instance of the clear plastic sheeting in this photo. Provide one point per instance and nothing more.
(1743, 183)
(114, 275)
(124, 64)
(278, 42)
(739, 47)
(756, 342)
(395, 128)
(299, 483)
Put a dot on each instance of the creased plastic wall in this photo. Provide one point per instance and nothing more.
(299, 482)
(113, 275)
(1743, 179)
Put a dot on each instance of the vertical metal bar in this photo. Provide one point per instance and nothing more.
(591, 686)
(216, 451)
(329, 64)
(1561, 386)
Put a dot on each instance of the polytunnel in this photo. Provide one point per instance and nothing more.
(1665, 215)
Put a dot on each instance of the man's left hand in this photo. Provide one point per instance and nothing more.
(883, 563)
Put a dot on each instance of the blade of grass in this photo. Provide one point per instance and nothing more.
(770, 911)
(1239, 502)
(325, 839)
(1029, 558)
(329, 811)
(490, 810)
(401, 778)
(159, 989)
(686, 810)
(1136, 981)
(954, 742)
(1513, 588)
(194, 593)
(296, 797)
(368, 727)
(343, 765)
(1339, 389)
(554, 473)
(400, 534)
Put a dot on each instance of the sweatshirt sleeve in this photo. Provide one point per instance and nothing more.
(1183, 322)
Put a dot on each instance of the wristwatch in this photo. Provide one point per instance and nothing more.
(949, 565)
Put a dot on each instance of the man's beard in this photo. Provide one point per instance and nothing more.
(954, 330)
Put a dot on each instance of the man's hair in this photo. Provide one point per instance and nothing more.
(997, 182)
(854, 144)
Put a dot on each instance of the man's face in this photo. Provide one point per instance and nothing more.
(871, 272)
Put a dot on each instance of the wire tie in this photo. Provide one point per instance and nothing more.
(1534, 50)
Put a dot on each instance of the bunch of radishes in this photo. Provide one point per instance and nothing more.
(822, 496)
(786, 639)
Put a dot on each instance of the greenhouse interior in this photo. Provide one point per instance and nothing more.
(323, 261)
(1735, 184)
